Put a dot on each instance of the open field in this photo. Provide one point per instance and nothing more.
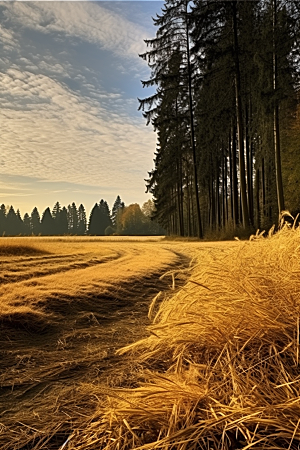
(215, 366)
(66, 305)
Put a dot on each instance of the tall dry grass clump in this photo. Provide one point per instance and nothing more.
(220, 369)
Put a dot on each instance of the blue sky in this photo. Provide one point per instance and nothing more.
(69, 81)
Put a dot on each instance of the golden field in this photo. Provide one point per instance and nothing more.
(215, 366)
(66, 305)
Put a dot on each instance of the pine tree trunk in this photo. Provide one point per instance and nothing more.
(234, 180)
(279, 183)
(209, 206)
(249, 167)
(223, 190)
(213, 205)
(230, 177)
(263, 186)
(179, 211)
(239, 117)
(188, 207)
(226, 190)
(257, 199)
(192, 208)
(179, 178)
(179, 199)
(218, 201)
(199, 224)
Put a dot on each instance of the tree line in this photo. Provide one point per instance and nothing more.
(227, 114)
(72, 220)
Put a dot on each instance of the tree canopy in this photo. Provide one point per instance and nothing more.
(227, 80)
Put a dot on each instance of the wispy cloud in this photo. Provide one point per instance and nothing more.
(64, 117)
(90, 21)
(7, 38)
(48, 129)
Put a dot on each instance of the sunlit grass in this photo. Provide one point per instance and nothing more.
(37, 270)
(220, 369)
(65, 305)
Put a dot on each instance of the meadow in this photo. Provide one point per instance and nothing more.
(150, 345)
(66, 305)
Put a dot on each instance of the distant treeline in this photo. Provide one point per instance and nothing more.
(121, 220)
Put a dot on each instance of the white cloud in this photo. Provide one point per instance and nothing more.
(55, 68)
(7, 37)
(85, 136)
(89, 21)
(63, 136)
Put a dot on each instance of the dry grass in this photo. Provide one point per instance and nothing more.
(67, 305)
(220, 369)
(34, 271)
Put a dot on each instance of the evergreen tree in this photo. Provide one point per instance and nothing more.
(171, 48)
(13, 223)
(224, 73)
(117, 205)
(27, 224)
(72, 219)
(20, 222)
(63, 221)
(104, 217)
(56, 211)
(81, 230)
(2, 219)
(94, 221)
(35, 222)
(47, 223)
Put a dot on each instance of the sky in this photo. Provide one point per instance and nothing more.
(69, 82)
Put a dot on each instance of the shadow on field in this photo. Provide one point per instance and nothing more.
(59, 358)
(20, 250)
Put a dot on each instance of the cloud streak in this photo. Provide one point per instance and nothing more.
(89, 21)
(64, 117)
(48, 129)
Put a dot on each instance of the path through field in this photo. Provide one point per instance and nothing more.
(66, 306)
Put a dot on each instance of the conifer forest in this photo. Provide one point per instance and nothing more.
(72, 220)
(226, 111)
